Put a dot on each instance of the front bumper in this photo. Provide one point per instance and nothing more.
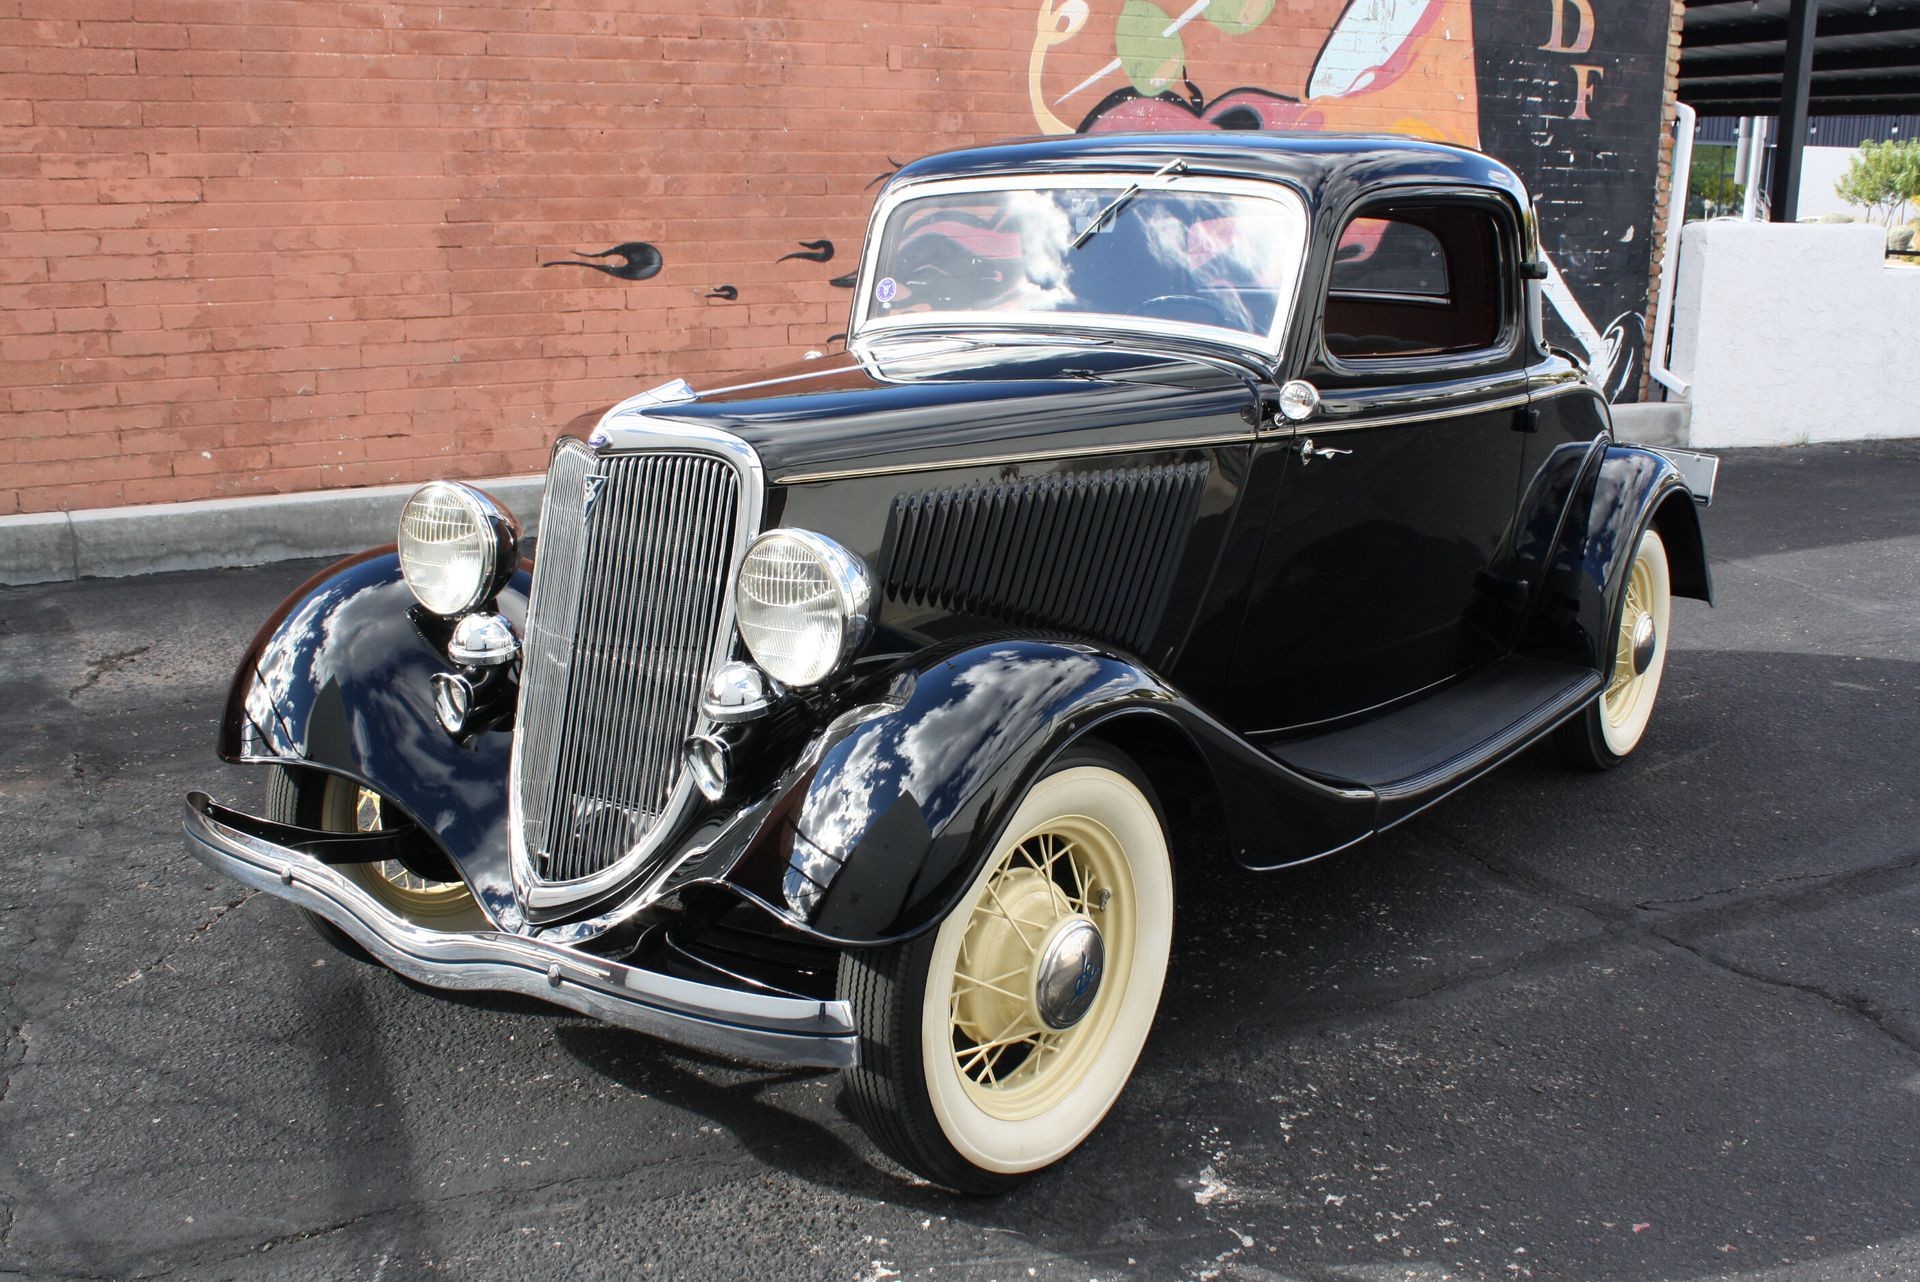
(760, 1027)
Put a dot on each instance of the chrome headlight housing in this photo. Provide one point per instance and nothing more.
(803, 605)
(457, 546)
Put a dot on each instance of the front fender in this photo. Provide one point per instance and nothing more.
(901, 811)
(340, 677)
(1624, 491)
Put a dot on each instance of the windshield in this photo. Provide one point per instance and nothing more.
(1181, 252)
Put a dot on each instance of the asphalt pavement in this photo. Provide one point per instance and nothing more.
(1662, 1023)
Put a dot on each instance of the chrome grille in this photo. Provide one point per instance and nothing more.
(628, 605)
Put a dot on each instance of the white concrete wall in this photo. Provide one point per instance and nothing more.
(1795, 332)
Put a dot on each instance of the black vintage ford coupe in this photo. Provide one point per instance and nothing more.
(839, 721)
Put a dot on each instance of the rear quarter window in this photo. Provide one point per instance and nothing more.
(1417, 280)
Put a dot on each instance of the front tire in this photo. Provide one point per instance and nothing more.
(990, 1046)
(1612, 726)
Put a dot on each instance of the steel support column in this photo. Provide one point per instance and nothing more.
(1784, 196)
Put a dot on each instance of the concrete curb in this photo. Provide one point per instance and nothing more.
(1653, 423)
(47, 547)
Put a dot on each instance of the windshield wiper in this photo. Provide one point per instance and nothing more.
(1115, 205)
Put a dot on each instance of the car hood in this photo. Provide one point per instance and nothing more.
(911, 403)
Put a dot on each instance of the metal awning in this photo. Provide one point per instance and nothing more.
(1799, 58)
(1866, 57)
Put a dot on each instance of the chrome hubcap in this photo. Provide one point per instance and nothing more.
(1643, 641)
(1066, 973)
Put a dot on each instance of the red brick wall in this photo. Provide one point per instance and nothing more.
(268, 245)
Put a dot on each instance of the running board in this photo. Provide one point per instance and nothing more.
(1418, 753)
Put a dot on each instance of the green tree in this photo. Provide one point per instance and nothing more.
(1711, 189)
(1883, 177)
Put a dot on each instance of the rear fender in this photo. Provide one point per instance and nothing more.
(1623, 492)
(903, 808)
(340, 679)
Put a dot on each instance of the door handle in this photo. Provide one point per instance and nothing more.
(1308, 453)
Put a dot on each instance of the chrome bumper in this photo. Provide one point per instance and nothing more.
(759, 1027)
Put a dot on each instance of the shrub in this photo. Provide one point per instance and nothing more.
(1882, 178)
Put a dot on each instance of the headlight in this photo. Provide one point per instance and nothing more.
(457, 546)
(803, 604)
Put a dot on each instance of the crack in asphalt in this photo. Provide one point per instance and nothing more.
(1541, 887)
(142, 972)
(106, 663)
(1811, 891)
(14, 1032)
(1847, 1003)
(1750, 887)
(1641, 923)
(1636, 925)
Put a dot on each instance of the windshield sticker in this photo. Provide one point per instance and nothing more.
(886, 289)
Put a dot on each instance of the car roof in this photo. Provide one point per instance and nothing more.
(1322, 166)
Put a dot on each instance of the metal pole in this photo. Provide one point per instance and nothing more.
(1685, 122)
(1795, 88)
(1756, 166)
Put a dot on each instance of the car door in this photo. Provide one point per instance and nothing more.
(1400, 487)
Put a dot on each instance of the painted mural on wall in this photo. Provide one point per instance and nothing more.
(1547, 86)
(1569, 101)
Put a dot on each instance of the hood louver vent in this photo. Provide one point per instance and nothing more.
(1092, 553)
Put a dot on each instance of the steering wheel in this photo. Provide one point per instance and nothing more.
(1194, 308)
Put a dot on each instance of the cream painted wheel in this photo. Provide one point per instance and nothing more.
(1023, 1013)
(328, 802)
(1614, 724)
(1645, 612)
(345, 806)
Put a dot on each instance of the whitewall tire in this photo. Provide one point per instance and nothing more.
(1613, 725)
(993, 1045)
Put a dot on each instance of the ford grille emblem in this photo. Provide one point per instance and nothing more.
(594, 485)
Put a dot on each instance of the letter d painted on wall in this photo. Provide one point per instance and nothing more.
(1582, 31)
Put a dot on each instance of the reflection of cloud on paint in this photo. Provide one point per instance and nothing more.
(986, 713)
(836, 814)
(951, 749)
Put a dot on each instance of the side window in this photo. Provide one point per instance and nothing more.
(1417, 280)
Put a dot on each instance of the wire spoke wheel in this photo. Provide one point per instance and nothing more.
(348, 807)
(1070, 871)
(331, 803)
(1614, 725)
(995, 1044)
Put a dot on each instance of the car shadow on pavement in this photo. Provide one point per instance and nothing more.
(735, 1099)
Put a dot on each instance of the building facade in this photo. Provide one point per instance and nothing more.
(254, 246)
